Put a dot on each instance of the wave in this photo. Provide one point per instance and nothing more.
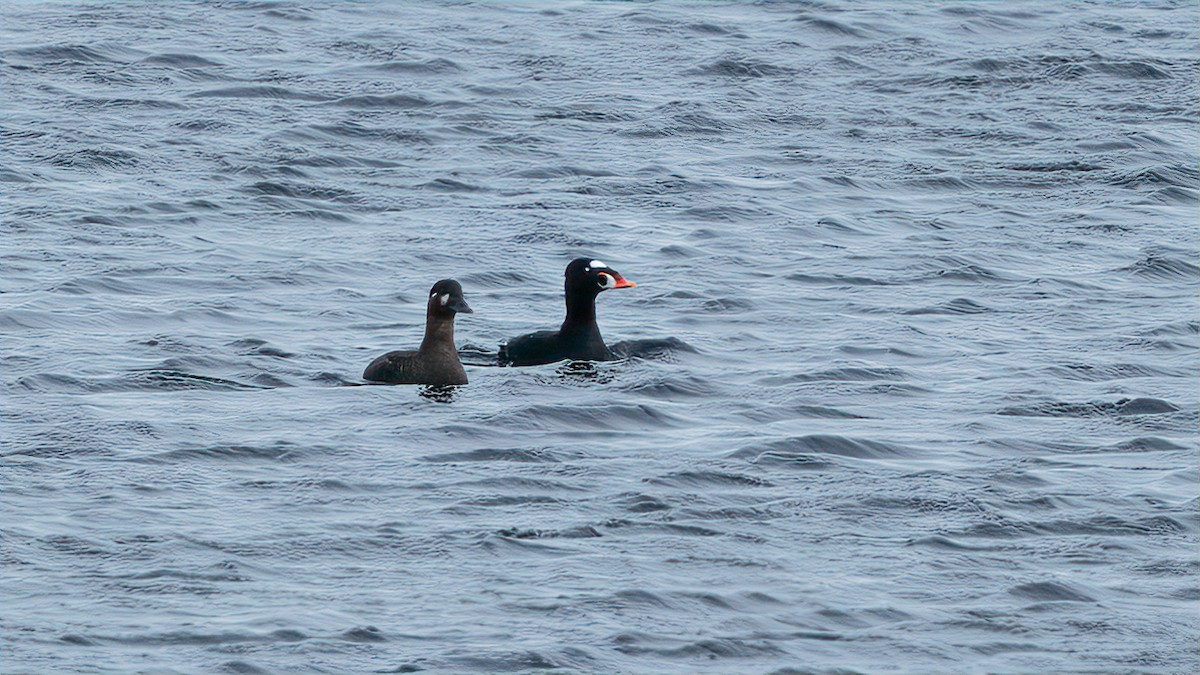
(260, 91)
(521, 483)
(434, 66)
(643, 503)
(961, 269)
(1133, 70)
(1051, 591)
(708, 479)
(122, 103)
(660, 528)
(672, 388)
(838, 279)
(177, 60)
(612, 415)
(800, 451)
(355, 130)
(520, 662)
(853, 374)
(97, 158)
(282, 451)
(62, 54)
(153, 379)
(301, 191)
(1125, 406)
(1163, 264)
(1086, 372)
(451, 185)
(587, 115)
(710, 648)
(832, 27)
(741, 66)
(1132, 446)
(1160, 175)
(660, 349)
(1001, 527)
(560, 171)
(581, 532)
(396, 101)
(955, 306)
(523, 455)
(1179, 328)
(1068, 166)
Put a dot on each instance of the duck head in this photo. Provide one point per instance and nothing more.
(584, 275)
(446, 299)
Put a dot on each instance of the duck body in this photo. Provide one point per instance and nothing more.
(549, 346)
(415, 367)
(436, 361)
(579, 336)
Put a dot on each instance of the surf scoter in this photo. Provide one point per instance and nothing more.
(579, 337)
(436, 360)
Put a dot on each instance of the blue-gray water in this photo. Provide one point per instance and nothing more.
(936, 264)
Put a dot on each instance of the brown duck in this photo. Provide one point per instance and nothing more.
(436, 361)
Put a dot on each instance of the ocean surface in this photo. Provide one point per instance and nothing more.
(924, 276)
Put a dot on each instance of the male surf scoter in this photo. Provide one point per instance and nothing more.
(579, 337)
(436, 360)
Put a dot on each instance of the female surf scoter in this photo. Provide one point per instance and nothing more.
(579, 338)
(436, 360)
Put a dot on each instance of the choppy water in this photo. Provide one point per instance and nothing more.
(936, 264)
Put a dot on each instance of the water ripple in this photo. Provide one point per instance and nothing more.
(907, 381)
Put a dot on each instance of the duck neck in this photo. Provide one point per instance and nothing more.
(439, 332)
(581, 313)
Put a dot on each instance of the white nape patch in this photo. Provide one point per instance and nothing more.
(597, 263)
(444, 299)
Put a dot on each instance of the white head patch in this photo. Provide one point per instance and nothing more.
(597, 264)
(445, 297)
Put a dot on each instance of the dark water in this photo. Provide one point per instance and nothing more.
(932, 267)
